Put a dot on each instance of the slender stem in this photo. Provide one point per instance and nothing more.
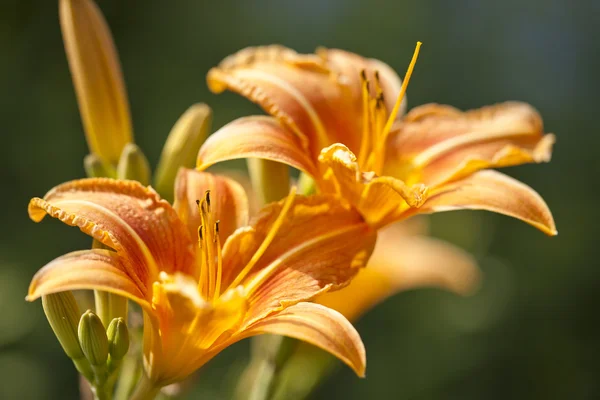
(145, 390)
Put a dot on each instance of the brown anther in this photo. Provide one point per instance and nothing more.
(208, 200)
(200, 232)
(363, 74)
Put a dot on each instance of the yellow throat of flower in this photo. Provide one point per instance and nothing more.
(377, 124)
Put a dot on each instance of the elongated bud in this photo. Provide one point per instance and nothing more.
(97, 77)
(270, 179)
(96, 168)
(134, 165)
(182, 146)
(118, 339)
(93, 339)
(63, 315)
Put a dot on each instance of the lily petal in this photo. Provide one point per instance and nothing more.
(97, 77)
(401, 262)
(87, 269)
(493, 191)
(300, 90)
(127, 217)
(319, 326)
(229, 203)
(378, 199)
(349, 66)
(320, 246)
(437, 143)
(255, 137)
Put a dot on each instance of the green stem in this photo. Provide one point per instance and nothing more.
(145, 390)
(101, 393)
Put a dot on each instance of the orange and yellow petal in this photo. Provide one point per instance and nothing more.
(349, 65)
(437, 143)
(319, 326)
(87, 269)
(379, 199)
(97, 77)
(493, 191)
(126, 217)
(319, 245)
(402, 261)
(255, 137)
(229, 203)
(300, 90)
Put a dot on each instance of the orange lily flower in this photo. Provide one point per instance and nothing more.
(405, 258)
(338, 117)
(199, 298)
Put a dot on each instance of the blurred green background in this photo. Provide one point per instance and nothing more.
(530, 333)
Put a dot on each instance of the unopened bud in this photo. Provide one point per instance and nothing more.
(270, 179)
(93, 339)
(134, 165)
(97, 78)
(63, 315)
(118, 338)
(96, 168)
(182, 146)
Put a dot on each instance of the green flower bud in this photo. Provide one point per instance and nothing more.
(93, 339)
(181, 147)
(96, 168)
(63, 315)
(134, 165)
(118, 339)
(270, 179)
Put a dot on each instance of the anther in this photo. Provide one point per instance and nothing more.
(208, 200)
(200, 233)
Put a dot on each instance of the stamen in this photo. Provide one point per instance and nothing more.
(207, 197)
(268, 239)
(394, 113)
(219, 262)
(366, 134)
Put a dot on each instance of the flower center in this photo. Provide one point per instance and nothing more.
(377, 124)
(211, 262)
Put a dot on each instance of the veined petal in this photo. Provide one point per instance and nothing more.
(320, 245)
(229, 203)
(379, 199)
(493, 191)
(300, 90)
(97, 77)
(401, 262)
(437, 143)
(87, 269)
(255, 137)
(319, 326)
(349, 66)
(127, 217)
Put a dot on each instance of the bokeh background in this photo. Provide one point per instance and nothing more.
(530, 333)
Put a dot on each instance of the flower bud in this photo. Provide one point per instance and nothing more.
(97, 77)
(270, 179)
(118, 339)
(181, 147)
(96, 168)
(63, 315)
(93, 339)
(134, 165)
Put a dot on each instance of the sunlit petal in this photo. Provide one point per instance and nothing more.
(255, 137)
(320, 326)
(125, 216)
(320, 246)
(300, 90)
(87, 269)
(493, 191)
(436, 143)
(229, 203)
(401, 262)
(378, 199)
